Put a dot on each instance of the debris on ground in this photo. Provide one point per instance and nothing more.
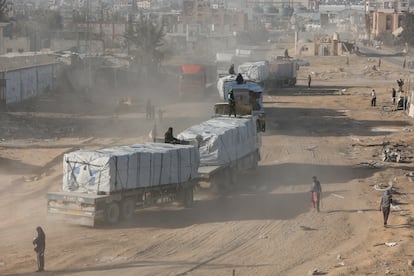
(397, 153)
(338, 196)
(369, 164)
(383, 187)
(340, 264)
(410, 176)
(389, 244)
(395, 207)
(315, 272)
(382, 144)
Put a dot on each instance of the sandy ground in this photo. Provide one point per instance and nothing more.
(266, 226)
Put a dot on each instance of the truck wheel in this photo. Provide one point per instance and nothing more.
(188, 197)
(128, 209)
(112, 213)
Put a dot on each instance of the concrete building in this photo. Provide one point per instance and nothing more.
(385, 16)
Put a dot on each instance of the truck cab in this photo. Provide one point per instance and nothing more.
(192, 80)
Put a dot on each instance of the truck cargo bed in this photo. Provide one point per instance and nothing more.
(78, 208)
(204, 172)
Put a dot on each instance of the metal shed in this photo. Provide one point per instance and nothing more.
(24, 83)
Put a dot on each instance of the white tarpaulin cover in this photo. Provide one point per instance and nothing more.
(227, 83)
(254, 71)
(222, 139)
(129, 167)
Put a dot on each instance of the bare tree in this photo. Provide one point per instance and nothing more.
(408, 33)
(147, 37)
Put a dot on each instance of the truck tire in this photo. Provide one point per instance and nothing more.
(112, 213)
(188, 197)
(127, 209)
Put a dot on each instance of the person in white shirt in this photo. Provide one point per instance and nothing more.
(373, 98)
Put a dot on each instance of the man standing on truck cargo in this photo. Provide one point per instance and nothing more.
(239, 79)
(40, 245)
(232, 103)
(316, 191)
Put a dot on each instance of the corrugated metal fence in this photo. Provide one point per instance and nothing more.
(21, 84)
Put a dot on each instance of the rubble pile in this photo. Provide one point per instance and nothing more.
(396, 153)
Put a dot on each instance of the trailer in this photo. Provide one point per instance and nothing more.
(223, 178)
(228, 147)
(107, 186)
(282, 73)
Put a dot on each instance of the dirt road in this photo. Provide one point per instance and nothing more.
(266, 226)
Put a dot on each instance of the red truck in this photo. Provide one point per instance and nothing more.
(192, 80)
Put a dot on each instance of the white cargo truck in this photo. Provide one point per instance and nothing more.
(108, 185)
(282, 73)
(228, 147)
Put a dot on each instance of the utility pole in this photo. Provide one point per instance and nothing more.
(88, 52)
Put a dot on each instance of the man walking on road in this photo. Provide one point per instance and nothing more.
(385, 205)
(309, 81)
(40, 245)
(393, 95)
(373, 98)
(316, 191)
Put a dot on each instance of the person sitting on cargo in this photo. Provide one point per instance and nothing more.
(232, 103)
(169, 137)
(239, 79)
(231, 70)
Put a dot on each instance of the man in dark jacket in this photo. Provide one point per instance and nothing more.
(393, 95)
(239, 79)
(385, 205)
(40, 245)
(232, 103)
(169, 137)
